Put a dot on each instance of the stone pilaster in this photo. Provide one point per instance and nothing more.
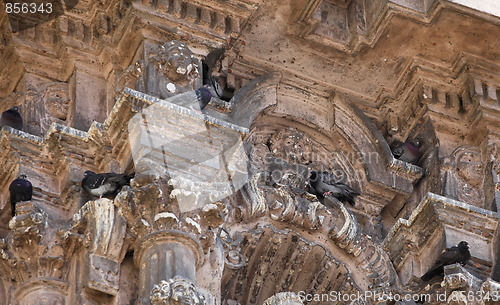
(166, 255)
(103, 233)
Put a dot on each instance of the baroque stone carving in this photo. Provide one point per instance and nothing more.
(168, 70)
(104, 234)
(163, 235)
(292, 145)
(36, 252)
(464, 176)
(176, 291)
(50, 103)
(279, 190)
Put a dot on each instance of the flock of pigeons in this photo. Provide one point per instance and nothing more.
(321, 184)
(109, 184)
(97, 185)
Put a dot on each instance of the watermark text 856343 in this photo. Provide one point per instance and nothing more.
(28, 8)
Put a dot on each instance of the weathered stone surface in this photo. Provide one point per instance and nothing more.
(319, 85)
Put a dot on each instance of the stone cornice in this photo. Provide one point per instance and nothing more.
(438, 217)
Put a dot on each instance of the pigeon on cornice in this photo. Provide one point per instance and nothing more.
(20, 190)
(456, 254)
(408, 151)
(321, 187)
(104, 184)
(204, 96)
(209, 81)
(12, 118)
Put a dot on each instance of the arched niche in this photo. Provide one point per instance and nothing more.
(327, 134)
(343, 141)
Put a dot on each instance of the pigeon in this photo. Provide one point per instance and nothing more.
(408, 151)
(210, 82)
(12, 118)
(456, 254)
(336, 189)
(204, 96)
(20, 190)
(104, 184)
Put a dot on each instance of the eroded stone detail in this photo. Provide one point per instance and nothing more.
(176, 291)
(149, 207)
(279, 190)
(103, 232)
(36, 253)
(166, 238)
(168, 70)
(292, 145)
(464, 176)
(284, 298)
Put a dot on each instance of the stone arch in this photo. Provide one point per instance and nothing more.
(343, 129)
(345, 140)
(279, 258)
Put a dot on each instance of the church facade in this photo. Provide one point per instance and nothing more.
(221, 209)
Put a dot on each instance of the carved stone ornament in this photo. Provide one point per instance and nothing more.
(57, 99)
(176, 291)
(104, 233)
(291, 145)
(284, 298)
(168, 70)
(43, 105)
(464, 175)
(36, 253)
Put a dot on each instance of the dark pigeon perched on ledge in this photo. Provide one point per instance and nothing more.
(322, 188)
(408, 151)
(204, 96)
(12, 118)
(104, 184)
(209, 81)
(456, 254)
(20, 190)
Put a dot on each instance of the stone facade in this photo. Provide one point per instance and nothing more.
(220, 211)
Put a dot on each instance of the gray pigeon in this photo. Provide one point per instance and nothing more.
(210, 82)
(456, 254)
(12, 118)
(204, 96)
(339, 190)
(20, 190)
(105, 184)
(408, 151)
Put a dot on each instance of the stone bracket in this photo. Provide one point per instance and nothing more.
(103, 274)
